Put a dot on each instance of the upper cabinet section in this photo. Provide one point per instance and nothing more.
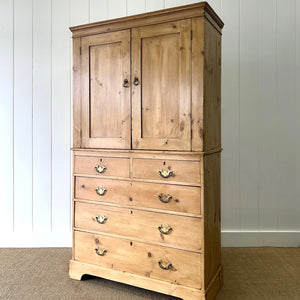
(161, 92)
(105, 90)
(149, 82)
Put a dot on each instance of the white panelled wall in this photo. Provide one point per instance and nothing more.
(260, 117)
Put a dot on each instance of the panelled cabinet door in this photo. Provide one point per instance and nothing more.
(105, 81)
(161, 86)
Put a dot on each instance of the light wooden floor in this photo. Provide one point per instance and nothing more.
(249, 273)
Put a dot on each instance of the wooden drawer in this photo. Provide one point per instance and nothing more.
(140, 224)
(152, 195)
(117, 167)
(139, 258)
(181, 171)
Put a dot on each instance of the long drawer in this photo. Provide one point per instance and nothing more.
(152, 195)
(151, 226)
(171, 265)
(167, 170)
(102, 165)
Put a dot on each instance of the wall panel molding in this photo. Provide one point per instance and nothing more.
(260, 117)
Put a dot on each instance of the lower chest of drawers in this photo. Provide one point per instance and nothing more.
(140, 215)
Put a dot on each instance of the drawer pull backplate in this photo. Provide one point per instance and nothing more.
(165, 173)
(101, 219)
(165, 229)
(100, 191)
(100, 169)
(100, 251)
(164, 198)
(164, 264)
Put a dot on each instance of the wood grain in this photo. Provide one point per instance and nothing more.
(161, 62)
(118, 167)
(212, 216)
(140, 224)
(201, 9)
(105, 63)
(182, 170)
(140, 194)
(77, 269)
(138, 258)
(77, 116)
(212, 88)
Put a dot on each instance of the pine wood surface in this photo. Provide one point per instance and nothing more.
(161, 61)
(114, 166)
(183, 171)
(141, 194)
(147, 151)
(139, 258)
(201, 9)
(105, 100)
(141, 224)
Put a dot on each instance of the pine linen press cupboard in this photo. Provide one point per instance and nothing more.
(146, 150)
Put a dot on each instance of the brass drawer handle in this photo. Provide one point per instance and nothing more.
(101, 219)
(165, 173)
(165, 229)
(165, 264)
(164, 198)
(100, 169)
(100, 191)
(100, 251)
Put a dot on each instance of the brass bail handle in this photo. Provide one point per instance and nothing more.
(100, 169)
(136, 81)
(165, 264)
(165, 198)
(165, 173)
(100, 191)
(165, 229)
(101, 219)
(100, 251)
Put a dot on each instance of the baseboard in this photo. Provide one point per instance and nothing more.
(35, 239)
(260, 239)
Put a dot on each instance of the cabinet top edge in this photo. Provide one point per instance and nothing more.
(189, 153)
(190, 10)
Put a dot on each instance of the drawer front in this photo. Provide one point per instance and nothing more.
(115, 191)
(147, 260)
(152, 195)
(167, 170)
(101, 165)
(150, 226)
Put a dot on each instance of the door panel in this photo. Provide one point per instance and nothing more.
(161, 97)
(105, 101)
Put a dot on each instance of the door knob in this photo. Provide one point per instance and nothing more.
(126, 83)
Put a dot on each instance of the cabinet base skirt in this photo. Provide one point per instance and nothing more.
(78, 269)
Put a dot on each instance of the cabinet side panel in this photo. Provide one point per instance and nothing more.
(197, 83)
(212, 87)
(212, 235)
(76, 94)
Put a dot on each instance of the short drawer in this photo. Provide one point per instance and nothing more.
(151, 226)
(153, 195)
(101, 165)
(163, 263)
(167, 170)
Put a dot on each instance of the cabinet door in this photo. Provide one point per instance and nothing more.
(161, 86)
(105, 77)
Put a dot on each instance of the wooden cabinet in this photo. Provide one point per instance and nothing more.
(146, 150)
(105, 98)
(161, 62)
